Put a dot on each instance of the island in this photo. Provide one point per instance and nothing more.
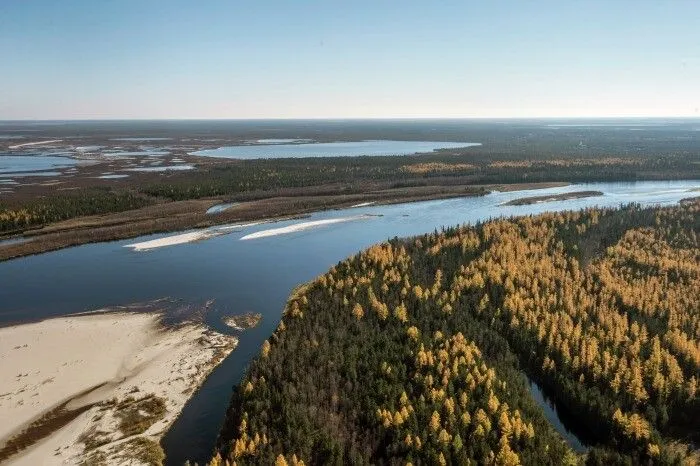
(243, 321)
(553, 197)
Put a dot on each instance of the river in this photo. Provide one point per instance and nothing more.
(257, 275)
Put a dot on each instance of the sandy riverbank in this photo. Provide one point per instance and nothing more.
(100, 386)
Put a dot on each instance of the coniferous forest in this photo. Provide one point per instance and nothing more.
(418, 351)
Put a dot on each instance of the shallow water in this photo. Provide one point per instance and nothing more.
(140, 139)
(255, 275)
(11, 241)
(11, 164)
(161, 169)
(217, 209)
(26, 174)
(329, 149)
(279, 141)
(112, 176)
(149, 153)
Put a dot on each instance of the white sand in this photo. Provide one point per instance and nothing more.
(174, 240)
(191, 237)
(47, 363)
(239, 226)
(301, 227)
(363, 204)
(38, 143)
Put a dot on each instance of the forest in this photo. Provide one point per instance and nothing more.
(356, 174)
(244, 180)
(45, 210)
(419, 350)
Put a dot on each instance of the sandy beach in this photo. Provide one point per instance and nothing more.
(98, 386)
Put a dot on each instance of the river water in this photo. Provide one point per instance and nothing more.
(257, 274)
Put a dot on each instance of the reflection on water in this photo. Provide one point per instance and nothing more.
(556, 418)
(254, 276)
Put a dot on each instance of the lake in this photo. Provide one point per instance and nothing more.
(11, 164)
(257, 275)
(329, 149)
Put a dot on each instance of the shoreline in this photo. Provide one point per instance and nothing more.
(68, 403)
(178, 216)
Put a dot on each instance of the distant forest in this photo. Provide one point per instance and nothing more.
(353, 174)
(416, 351)
(242, 180)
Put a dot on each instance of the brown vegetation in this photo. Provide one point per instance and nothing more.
(436, 167)
(136, 416)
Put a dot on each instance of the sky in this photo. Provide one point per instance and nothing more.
(121, 59)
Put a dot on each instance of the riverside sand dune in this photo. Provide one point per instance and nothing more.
(106, 368)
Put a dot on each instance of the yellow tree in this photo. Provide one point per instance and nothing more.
(357, 311)
(435, 421)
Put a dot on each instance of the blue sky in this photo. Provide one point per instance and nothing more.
(315, 59)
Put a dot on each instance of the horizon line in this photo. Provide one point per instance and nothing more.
(382, 118)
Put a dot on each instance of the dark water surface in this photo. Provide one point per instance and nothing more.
(257, 275)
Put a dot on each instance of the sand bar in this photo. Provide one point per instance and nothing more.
(362, 204)
(191, 237)
(99, 366)
(174, 240)
(38, 143)
(301, 227)
(552, 198)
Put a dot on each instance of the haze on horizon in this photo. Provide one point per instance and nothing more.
(80, 59)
